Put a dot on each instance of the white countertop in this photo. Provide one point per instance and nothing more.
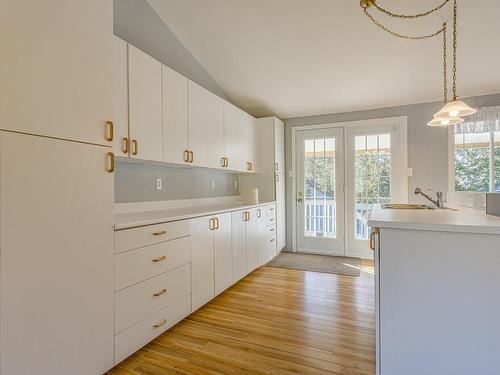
(462, 220)
(150, 217)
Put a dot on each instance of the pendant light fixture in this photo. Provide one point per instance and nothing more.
(453, 111)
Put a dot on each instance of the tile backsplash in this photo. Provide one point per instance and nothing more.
(136, 182)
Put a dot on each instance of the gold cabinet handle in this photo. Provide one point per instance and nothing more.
(163, 291)
(125, 145)
(186, 156)
(159, 259)
(109, 131)
(160, 233)
(251, 166)
(217, 223)
(110, 162)
(135, 147)
(227, 162)
(373, 236)
(191, 156)
(276, 166)
(159, 324)
(277, 177)
(223, 162)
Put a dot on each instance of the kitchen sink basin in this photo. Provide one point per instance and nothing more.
(405, 206)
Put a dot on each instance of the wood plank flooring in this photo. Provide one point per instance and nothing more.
(274, 321)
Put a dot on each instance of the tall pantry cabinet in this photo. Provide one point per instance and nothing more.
(56, 187)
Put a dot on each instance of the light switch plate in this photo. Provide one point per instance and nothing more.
(410, 172)
(158, 184)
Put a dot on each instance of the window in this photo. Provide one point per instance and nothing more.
(476, 150)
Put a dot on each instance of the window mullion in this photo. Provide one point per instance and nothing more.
(492, 160)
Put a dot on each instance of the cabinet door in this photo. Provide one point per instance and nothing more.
(202, 262)
(279, 145)
(206, 127)
(239, 236)
(234, 138)
(280, 211)
(56, 69)
(223, 254)
(249, 129)
(175, 116)
(145, 105)
(56, 268)
(120, 97)
(253, 240)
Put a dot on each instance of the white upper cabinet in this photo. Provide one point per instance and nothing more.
(249, 128)
(57, 63)
(234, 138)
(120, 97)
(279, 145)
(206, 127)
(145, 106)
(175, 116)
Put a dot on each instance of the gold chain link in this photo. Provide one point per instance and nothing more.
(409, 16)
(445, 66)
(403, 36)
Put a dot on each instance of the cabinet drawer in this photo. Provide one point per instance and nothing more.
(134, 338)
(130, 239)
(141, 300)
(138, 265)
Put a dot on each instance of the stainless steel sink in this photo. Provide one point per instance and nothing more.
(405, 206)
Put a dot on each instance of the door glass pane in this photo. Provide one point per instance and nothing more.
(497, 162)
(372, 177)
(319, 190)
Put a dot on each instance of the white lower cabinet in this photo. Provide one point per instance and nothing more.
(253, 238)
(223, 253)
(202, 261)
(239, 235)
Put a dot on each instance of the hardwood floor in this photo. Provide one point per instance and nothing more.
(274, 321)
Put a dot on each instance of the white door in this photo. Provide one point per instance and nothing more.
(56, 69)
(120, 97)
(239, 236)
(145, 106)
(223, 253)
(320, 195)
(57, 258)
(175, 116)
(202, 261)
(206, 127)
(375, 174)
(279, 141)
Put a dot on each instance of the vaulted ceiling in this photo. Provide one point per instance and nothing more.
(295, 58)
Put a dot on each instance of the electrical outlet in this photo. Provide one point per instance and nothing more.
(158, 184)
(410, 172)
(213, 184)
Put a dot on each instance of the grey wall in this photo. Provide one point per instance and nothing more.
(136, 22)
(137, 182)
(427, 147)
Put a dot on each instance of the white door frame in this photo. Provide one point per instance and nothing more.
(401, 121)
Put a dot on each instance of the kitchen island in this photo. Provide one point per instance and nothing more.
(437, 291)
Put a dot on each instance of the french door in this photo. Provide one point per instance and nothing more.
(341, 172)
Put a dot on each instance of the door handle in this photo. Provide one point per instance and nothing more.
(109, 131)
(135, 148)
(186, 156)
(125, 145)
(110, 163)
(373, 237)
(299, 200)
(191, 157)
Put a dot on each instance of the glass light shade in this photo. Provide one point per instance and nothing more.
(445, 121)
(456, 108)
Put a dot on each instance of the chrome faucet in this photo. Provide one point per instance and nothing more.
(439, 197)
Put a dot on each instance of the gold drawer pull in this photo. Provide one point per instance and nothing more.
(125, 145)
(163, 291)
(160, 233)
(190, 156)
(160, 259)
(110, 167)
(159, 324)
(135, 148)
(109, 131)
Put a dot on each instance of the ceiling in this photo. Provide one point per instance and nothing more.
(294, 58)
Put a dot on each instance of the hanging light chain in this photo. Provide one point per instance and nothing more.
(408, 16)
(445, 65)
(454, 49)
(402, 36)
